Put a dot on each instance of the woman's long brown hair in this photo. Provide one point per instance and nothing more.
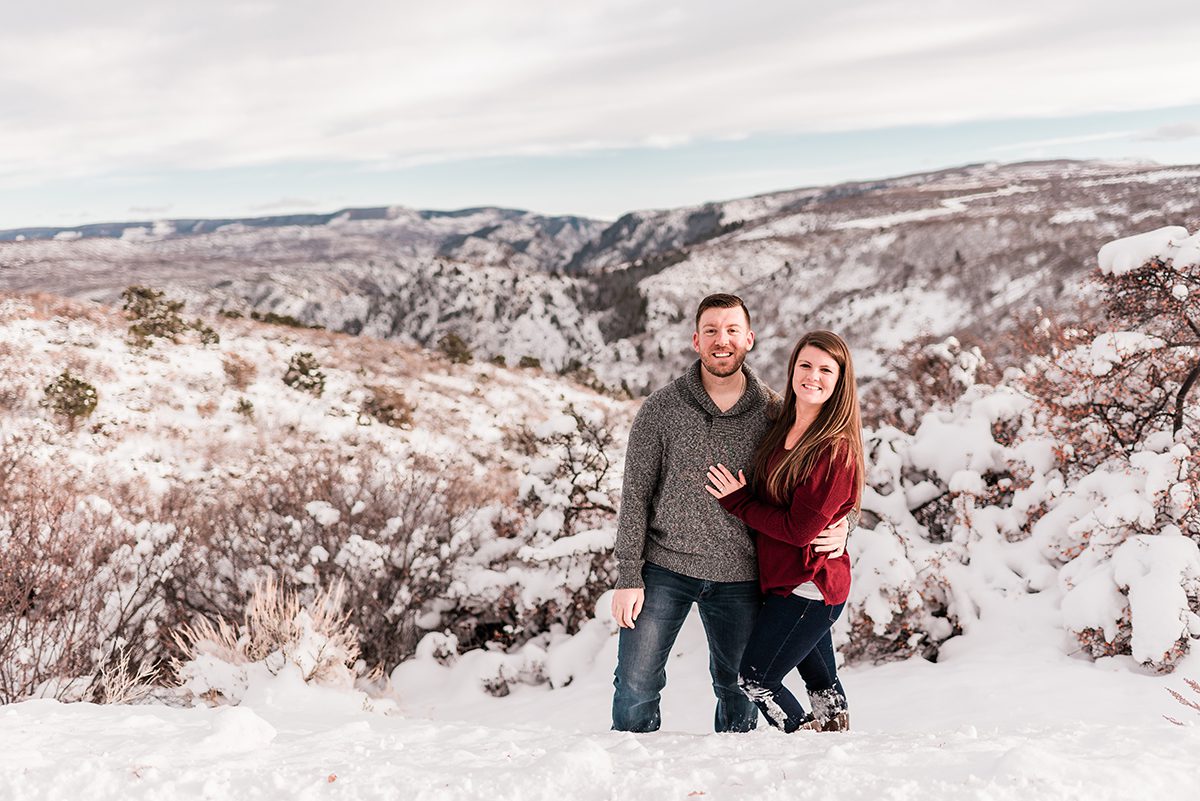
(838, 426)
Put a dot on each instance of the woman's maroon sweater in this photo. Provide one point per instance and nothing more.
(784, 533)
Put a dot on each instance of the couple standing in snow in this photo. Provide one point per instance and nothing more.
(768, 609)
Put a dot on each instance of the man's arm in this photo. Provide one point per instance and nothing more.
(643, 461)
(833, 539)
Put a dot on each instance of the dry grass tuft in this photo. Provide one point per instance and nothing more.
(240, 371)
(277, 629)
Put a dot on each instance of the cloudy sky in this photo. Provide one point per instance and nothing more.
(141, 110)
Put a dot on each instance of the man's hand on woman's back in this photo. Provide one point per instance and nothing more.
(832, 540)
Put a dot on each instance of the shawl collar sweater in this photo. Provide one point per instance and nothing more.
(666, 516)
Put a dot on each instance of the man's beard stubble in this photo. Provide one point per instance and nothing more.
(739, 357)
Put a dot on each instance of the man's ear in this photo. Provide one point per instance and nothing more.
(750, 338)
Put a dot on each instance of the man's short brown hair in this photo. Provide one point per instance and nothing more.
(721, 301)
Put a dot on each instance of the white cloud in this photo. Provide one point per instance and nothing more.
(1060, 141)
(125, 86)
(285, 203)
(1172, 133)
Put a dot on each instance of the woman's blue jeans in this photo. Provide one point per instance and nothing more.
(792, 632)
(727, 610)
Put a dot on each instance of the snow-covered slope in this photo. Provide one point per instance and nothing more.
(979, 545)
(1006, 717)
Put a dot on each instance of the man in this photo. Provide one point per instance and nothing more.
(675, 544)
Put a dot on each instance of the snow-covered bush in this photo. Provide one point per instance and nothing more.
(557, 561)
(310, 518)
(205, 333)
(71, 398)
(1117, 404)
(534, 581)
(454, 348)
(388, 406)
(152, 315)
(938, 506)
(79, 586)
(304, 374)
(1112, 391)
(924, 374)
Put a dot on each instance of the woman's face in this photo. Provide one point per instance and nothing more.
(815, 377)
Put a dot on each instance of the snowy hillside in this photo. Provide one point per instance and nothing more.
(1026, 573)
(172, 477)
(969, 252)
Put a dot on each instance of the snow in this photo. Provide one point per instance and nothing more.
(323, 512)
(1004, 715)
(1157, 571)
(1073, 216)
(1151, 177)
(946, 206)
(1128, 254)
(1110, 349)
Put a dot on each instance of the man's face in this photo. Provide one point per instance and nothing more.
(722, 339)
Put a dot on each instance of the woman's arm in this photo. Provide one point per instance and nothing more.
(814, 503)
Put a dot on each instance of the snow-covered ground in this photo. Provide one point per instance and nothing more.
(1005, 714)
(1038, 575)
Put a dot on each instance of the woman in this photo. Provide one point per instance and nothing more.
(808, 472)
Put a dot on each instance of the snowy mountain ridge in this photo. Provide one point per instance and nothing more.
(968, 252)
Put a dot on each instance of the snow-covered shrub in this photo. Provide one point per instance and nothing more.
(205, 333)
(924, 374)
(393, 533)
(454, 348)
(1113, 390)
(567, 485)
(79, 586)
(1117, 404)
(557, 561)
(947, 515)
(245, 408)
(1131, 582)
(388, 406)
(152, 315)
(71, 398)
(304, 374)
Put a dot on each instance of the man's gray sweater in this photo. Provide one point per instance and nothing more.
(667, 518)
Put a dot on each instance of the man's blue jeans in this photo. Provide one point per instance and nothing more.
(793, 633)
(727, 610)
